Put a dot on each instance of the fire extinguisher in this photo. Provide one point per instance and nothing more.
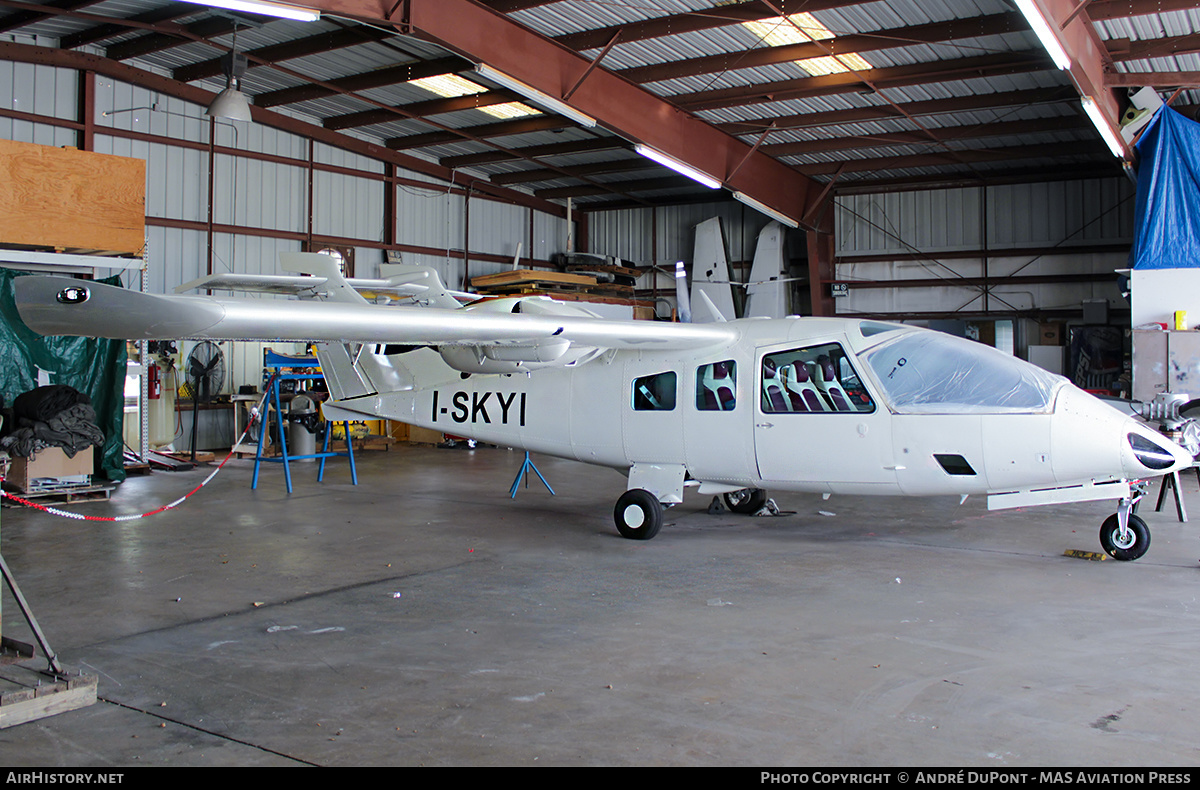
(153, 381)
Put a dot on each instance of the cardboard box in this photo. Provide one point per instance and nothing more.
(1050, 335)
(53, 464)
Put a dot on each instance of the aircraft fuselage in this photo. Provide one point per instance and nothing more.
(737, 415)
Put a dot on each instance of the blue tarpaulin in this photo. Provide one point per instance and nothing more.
(1167, 216)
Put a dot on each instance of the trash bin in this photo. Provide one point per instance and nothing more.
(303, 423)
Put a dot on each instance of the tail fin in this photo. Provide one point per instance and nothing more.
(766, 296)
(710, 271)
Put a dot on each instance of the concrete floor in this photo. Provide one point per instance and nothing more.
(424, 618)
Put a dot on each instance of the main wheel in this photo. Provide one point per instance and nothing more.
(638, 514)
(747, 500)
(1132, 545)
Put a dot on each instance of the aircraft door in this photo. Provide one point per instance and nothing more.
(717, 418)
(817, 427)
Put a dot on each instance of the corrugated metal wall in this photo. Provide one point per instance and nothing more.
(1062, 213)
(666, 234)
(1056, 226)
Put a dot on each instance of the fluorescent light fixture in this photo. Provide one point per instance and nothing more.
(679, 271)
(765, 209)
(282, 10)
(1045, 33)
(677, 166)
(534, 95)
(1097, 117)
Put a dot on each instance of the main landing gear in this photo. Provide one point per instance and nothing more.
(1124, 535)
(639, 514)
(746, 501)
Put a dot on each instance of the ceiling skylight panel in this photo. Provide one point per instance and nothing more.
(777, 31)
(448, 85)
(451, 86)
(800, 28)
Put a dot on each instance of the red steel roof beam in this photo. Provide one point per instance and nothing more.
(484, 36)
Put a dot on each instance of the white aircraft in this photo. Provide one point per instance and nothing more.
(827, 405)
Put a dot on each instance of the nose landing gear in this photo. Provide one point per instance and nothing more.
(1125, 535)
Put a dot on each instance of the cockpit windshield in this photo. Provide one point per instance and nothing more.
(936, 373)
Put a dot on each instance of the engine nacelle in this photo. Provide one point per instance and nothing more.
(525, 356)
(514, 357)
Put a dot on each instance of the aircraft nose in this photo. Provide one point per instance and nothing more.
(1147, 452)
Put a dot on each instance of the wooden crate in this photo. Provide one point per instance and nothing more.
(73, 200)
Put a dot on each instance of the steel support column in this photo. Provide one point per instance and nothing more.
(820, 271)
(86, 137)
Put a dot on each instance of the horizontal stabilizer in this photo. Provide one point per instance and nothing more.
(418, 286)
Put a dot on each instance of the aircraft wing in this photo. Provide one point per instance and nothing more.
(66, 306)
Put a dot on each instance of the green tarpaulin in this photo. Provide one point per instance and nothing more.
(94, 367)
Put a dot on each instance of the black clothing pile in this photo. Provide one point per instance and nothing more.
(52, 416)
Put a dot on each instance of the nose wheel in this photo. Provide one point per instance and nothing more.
(1124, 535)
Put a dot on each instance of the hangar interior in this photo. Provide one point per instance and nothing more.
(931, 164)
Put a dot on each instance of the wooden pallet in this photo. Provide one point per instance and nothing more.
(526, 277)
(550, 289)
(612, 289)
(65, 495)
(571, 296)
(202, 456)
(622, 271)
(535, 289)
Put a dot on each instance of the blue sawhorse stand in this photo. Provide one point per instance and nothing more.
(525, 467)
(276, 362)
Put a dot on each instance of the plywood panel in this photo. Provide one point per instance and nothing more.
(63, 197)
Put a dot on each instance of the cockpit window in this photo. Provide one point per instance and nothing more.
(935, 373)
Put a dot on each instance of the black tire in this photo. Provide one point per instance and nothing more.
(638, 514)
(1134, 546)
(747, 500)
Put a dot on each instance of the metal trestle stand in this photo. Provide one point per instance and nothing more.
(526, 466)
(274, 364)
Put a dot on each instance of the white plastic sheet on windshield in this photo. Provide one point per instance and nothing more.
(936, 373)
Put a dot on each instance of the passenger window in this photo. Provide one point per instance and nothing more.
(814, 379)
(654, 393)
(716, 386)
